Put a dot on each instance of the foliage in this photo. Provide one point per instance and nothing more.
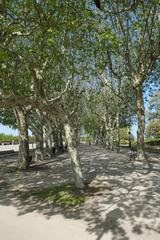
(153, 129)
(153, 142)
(77, 64)
(7, 118)
(86, 139)
(154, 107)
(4, 137)
(151, 145)
(124, 136)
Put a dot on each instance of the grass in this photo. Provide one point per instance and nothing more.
(64, 195)
(10, 169)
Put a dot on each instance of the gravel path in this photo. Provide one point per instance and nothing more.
(128, 208)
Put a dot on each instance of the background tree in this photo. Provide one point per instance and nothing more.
(154, 107)
(135, 26)
(153, 129)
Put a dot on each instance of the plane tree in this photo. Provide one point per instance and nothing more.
(135, 24)
(45, 48)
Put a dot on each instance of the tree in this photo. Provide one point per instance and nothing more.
(8, 118)
(135, 26)
(153, 129)
(45, 47)
(153, 116)
(154, 107)
(125, 135)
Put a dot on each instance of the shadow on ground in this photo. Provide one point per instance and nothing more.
(127, 204)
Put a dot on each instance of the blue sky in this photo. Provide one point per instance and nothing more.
(7, 130)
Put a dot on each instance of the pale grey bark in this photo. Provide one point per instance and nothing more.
(117, 131)
(102, 136)
(111, 143)
(75, 159)
(49, 143)
(37, 123)
(141, 123)
(39, 151)
(48, 139)
(23, 158)
(107, 135)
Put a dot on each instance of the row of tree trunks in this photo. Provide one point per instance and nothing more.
(71, 138)
(114, 130)
(112, 136)
(23, 161)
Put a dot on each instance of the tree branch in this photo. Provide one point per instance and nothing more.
(131, 7)
(61, 94)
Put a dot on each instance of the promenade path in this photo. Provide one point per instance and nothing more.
(126, 206)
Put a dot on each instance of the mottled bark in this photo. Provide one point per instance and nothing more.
(39, 151)
(107, 135)
(102, 136)
(49, 143)
(49, 140)
(23, 158)
(39, 141)
(111, 143)
(141, 123)
(117, 133)
(75, 160)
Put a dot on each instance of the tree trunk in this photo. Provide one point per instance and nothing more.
(107, 135)
(55, 141)
(23, 159)
(111, 143)
(141, 123)
(75, 160)
(77, 132)
(37, 124)
(117, 131)
(39, 154)
(102, 136)
(49, 140)
(60, 142)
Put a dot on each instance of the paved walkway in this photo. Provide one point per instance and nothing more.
(128, 208)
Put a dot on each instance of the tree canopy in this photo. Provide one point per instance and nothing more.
(67, 65)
